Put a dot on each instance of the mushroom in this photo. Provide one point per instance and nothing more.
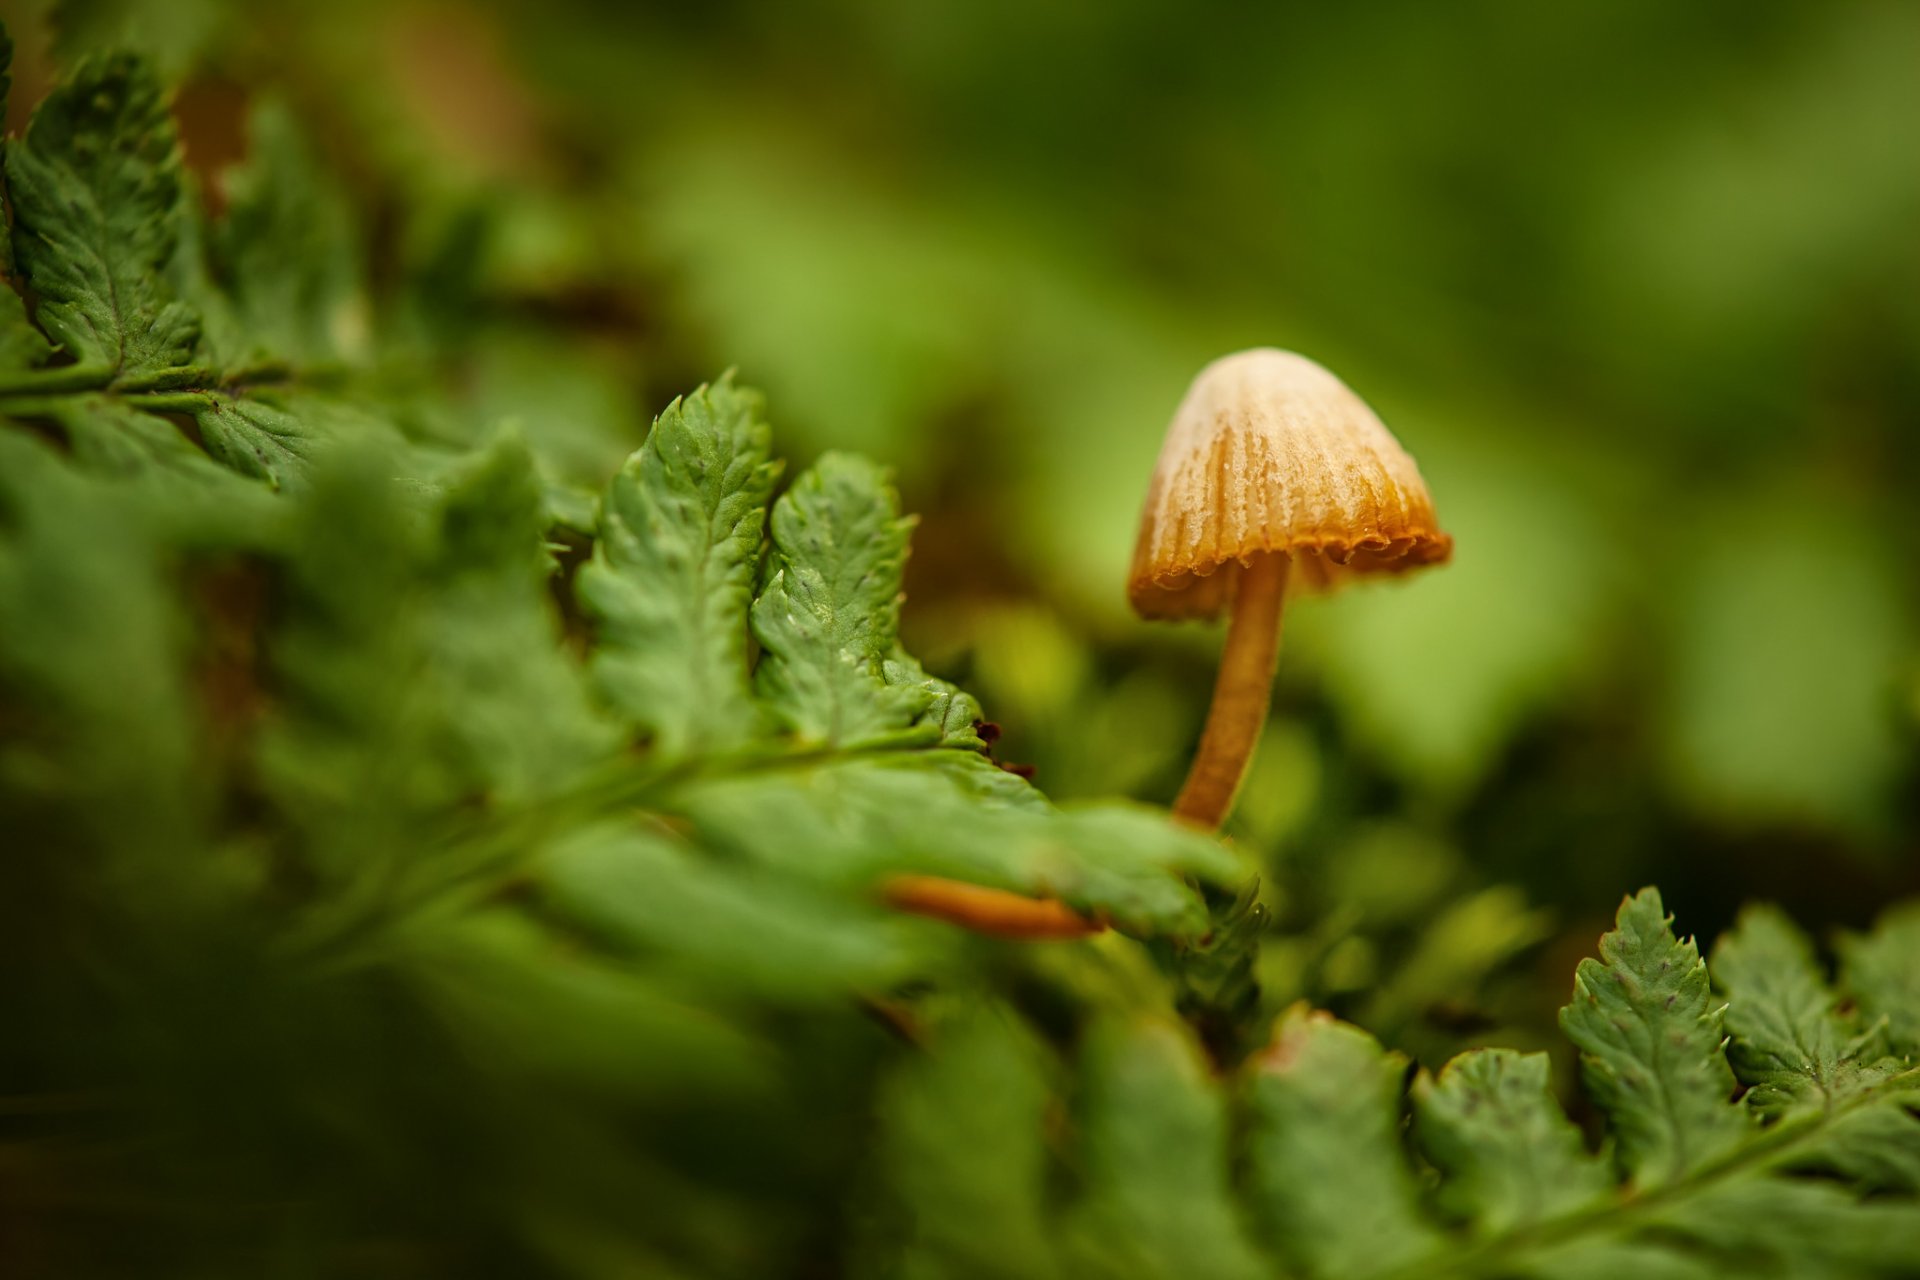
(1274, 476)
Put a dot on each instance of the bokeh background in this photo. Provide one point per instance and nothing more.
(1638, 284)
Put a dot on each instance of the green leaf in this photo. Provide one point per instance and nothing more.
(1651, 1047)
(828, 615)
(659, 899)
(1788, 1040)
(1509, 1156)
(1218, 984)
(1610, 1259)
(521, 1002)
(950, 709)
(1882, 972)
(1796, 1227)
(21, 345)
(965, 1207)
(671, 573)
(1124, 862)
(112, 438)
(1876, 1148)
(256, 439)
(853, 822)
(287, 250)
(418, 667)
(188, 497)
(345, 756)
(96, 193)
(222, 337)
(516, 703)
(1153, 1150)
(1330, 1181)
(100, 733)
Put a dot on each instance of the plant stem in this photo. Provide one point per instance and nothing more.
(173, 401)
(167, 379)
(482, 853)
(58, 381)
(1240, 694)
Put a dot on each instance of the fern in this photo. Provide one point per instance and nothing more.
(1351, 1171)
(423, 862)
(330, 840)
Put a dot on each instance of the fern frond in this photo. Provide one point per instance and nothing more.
(1477, 1171)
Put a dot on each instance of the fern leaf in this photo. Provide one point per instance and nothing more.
(344, 758)
(853, 822)
(828, 614)
(1153, 1148)
(1875, 1148)
(960, 1206)
(1882, 971)
(1610, 1259)
(85, 761)
(256, 439)
(21, 345)
(950, 709)
(671, 573)
(647, 895)
(113, 439)
(1330, 1181)
(1651, 1047)
(1509, 1156)
(1788, 1040)
(545, 1018)
(517, 709)
(1796, 1227)
(286, 250)
(417, 670)
(96, 193)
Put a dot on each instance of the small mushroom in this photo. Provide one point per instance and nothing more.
(1274, 476)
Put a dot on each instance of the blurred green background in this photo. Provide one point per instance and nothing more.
(1637, 283)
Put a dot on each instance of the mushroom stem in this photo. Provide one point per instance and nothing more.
(984, 910)
(1240, 694)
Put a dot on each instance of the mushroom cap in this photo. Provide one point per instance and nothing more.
(1271, 454)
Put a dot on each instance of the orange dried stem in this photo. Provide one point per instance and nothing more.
(1240, 694)
(984, 910)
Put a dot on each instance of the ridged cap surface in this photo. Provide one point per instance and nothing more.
(1270, 453)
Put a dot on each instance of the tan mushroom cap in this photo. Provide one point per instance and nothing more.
(1270, 453)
